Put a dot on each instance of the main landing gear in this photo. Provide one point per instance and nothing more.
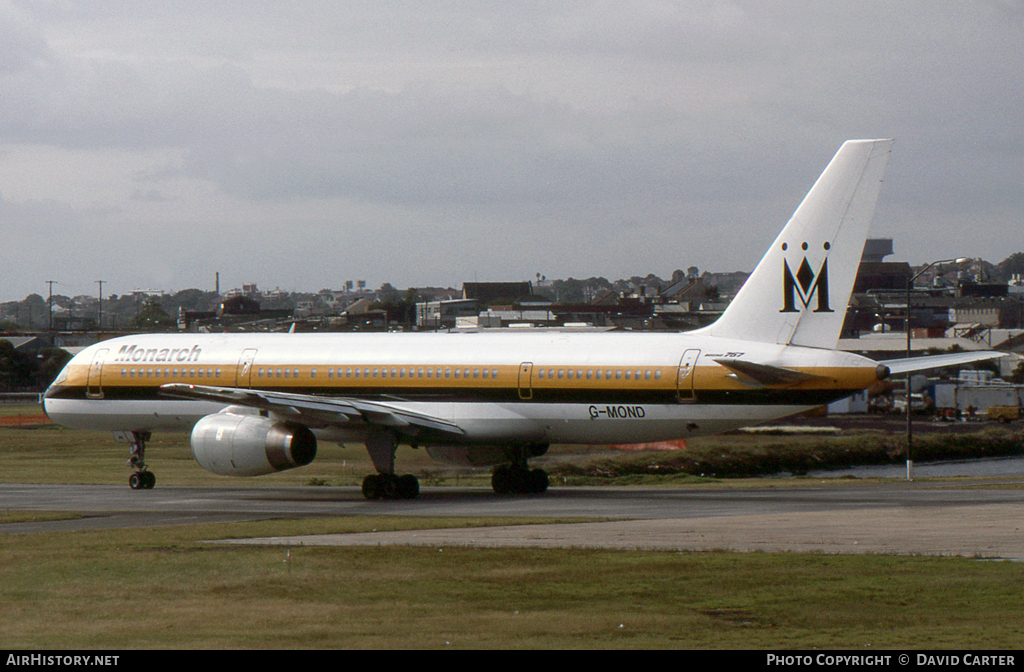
(386, 484)
(391, 486)
(141, 478)
(517, 478)
(508, 479)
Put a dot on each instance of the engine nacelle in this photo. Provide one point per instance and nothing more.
(237, 444)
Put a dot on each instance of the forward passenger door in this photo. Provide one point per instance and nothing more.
(243, 377)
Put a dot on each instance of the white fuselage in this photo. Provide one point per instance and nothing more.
(507, 386)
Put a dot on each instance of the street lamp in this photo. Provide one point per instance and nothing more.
(910, 285)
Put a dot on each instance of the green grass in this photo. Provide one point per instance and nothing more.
(52, 454)
(168, 588)
(164, 587)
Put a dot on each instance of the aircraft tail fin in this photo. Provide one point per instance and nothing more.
(799, 291)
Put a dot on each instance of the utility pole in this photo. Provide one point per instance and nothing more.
(51, 283)
(99, 322)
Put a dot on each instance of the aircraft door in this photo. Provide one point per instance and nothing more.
(94, 387)
(684, 377)
(526, 380)
(244, 374)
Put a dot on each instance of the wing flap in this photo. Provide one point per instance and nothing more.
(317, 411)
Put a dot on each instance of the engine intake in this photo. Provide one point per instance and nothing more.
(235, 444)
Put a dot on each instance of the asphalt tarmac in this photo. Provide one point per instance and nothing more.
(981, 518)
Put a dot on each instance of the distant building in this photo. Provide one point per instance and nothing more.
(490, 293)
(881, 275)
(445, 314)
(876, 250)
(239, 305)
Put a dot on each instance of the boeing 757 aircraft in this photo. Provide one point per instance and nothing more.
(260, 403)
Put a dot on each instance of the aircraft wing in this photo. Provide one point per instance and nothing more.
(316, 411)
(763, 375)
(912, 364)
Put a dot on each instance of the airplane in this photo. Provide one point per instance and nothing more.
(257, 404)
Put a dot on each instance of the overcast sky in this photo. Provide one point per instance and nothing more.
(297, 145)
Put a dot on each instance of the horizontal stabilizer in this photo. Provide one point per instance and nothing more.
(913, 364)
(764, 374)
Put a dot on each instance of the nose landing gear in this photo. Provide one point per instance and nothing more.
(141, 478)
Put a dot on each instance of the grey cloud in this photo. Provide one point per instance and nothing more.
(719, 115)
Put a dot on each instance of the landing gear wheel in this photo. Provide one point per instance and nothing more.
(502, 480)
(371, 487)
(142, 480)
(390, 486)
(537, 481)
(408, 487)
(514, 479)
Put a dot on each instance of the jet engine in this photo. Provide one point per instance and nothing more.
(235, 442)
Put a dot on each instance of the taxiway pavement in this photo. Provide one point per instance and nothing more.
(979, 517)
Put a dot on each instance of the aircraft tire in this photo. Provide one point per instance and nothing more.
(137, 481)
(501, 480)
(390, 486)
(537, 481)
(509, 480)
(371, 487)
(408, 487)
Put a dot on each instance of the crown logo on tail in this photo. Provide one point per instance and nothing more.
(805, 286)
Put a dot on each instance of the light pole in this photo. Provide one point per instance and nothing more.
(99, 322)
(910, 285)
